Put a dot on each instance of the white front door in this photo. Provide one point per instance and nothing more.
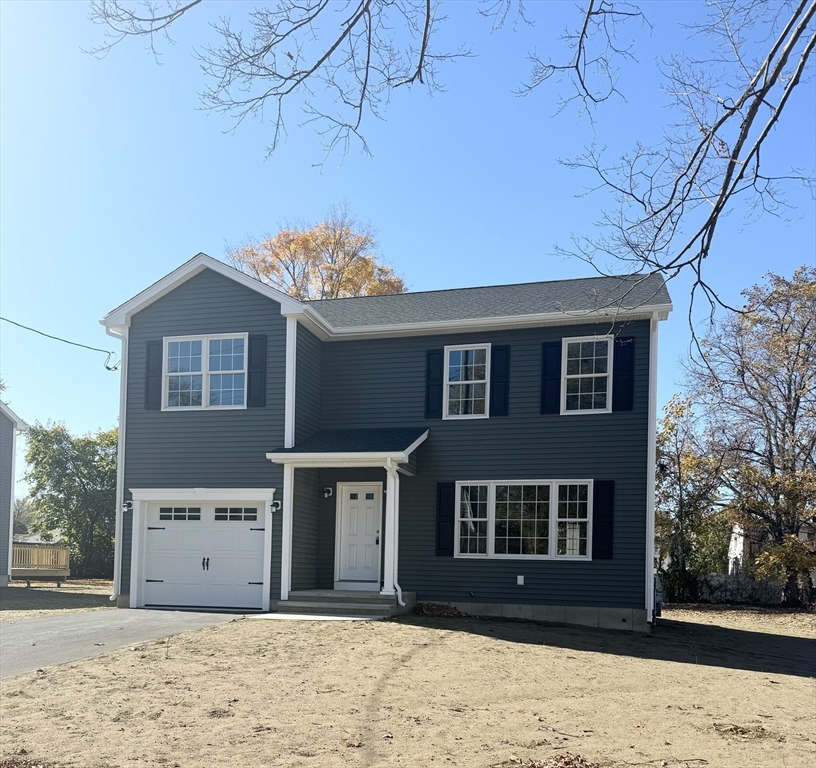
(204, 554)
(359, 525)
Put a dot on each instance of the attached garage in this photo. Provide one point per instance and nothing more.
(201, 548)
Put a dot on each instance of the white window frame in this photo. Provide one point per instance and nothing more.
(446, 382)
(564, 377)
(205, 372)
(553, 532)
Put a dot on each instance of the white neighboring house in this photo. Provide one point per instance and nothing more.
(11, 425)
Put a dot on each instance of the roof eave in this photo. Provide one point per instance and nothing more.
(486, 323)
(119, 318)
(17, 422)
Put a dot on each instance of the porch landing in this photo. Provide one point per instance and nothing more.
(344, 602)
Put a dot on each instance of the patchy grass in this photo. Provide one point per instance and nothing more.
(732, 691)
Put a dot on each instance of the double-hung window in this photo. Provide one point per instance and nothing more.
(539, 519)
(205, 372)
(587, 379)
(467, 382)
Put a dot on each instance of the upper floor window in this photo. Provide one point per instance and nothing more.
(205, 371)
(586, 366)
(467, 382)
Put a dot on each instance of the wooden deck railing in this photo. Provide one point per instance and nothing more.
(39, 557)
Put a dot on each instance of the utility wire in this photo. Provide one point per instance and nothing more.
(65, 341)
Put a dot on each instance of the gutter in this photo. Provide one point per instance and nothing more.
(120, 462)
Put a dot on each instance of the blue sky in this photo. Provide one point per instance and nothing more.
(111, 176)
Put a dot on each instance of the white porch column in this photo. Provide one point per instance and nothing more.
(286, 534)
(391, 523)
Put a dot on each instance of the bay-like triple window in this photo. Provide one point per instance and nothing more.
(526, 519)
(205, 371)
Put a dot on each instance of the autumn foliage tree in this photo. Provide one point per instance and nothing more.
(333, 259)
(755, 382)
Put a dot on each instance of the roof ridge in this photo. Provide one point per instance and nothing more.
(480, 287)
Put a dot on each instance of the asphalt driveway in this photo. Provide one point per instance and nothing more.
(30, 644)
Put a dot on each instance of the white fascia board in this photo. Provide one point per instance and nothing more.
(121, 315)
(363, 459)
(609, 314)
(202, 494)
(19, 425)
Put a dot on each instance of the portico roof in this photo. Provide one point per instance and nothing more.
(365, 447)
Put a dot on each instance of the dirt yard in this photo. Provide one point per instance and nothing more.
(715, 689)
(43, 598)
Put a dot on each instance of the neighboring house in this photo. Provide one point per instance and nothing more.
(11, 425)
(492, 448)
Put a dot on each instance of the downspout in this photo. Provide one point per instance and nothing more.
(389, 467)
(120, 464)
(651, 461)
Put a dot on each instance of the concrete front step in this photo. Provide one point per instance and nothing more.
(327, 602)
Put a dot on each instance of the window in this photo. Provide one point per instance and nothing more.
(467, 384)
(179, 513)
(587, 365)
(205, 372)
(236, 514)
(540, 519)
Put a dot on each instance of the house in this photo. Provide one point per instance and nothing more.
(491, 448)
(11, 425)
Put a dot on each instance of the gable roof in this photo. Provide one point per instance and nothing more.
(428, 312)
(18, 423)
(120, 317)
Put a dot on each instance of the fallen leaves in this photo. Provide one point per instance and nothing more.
(438, 610)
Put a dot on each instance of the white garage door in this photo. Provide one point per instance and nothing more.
(204, 555)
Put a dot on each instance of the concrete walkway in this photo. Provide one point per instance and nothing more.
(30, 644)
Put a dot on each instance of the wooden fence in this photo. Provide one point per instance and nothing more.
(46, 557)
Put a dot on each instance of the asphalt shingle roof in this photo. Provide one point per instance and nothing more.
(358, 441)
(579, 295)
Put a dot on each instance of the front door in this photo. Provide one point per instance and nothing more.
(359, 525)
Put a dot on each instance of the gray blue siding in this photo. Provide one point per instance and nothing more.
(305, 530)
(377, 383)
(6, 484)
(308, 383)
(205, 449)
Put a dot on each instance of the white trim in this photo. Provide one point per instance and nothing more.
(446, 382)
(286, 530)
(553, 524)
(122, 335)
(203, 494)
(338, 582)
(329, 332)
(391, 522)
(18, 424)
(143, 496)
(651, 460)
(290, 382)
(205, 372)
(122, 314)
(610, 352)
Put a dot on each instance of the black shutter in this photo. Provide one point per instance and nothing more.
(623, 374)
(551, 377)
(603, 514)
(445, 514)
(499, 381)
(434, 370)
(256, 371)
(153, 376)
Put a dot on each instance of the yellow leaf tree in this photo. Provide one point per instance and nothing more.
(334, 259)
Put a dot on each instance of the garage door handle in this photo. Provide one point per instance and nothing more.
(203, 560)
(155, 528)
(257, 529)
(255, 582)
(156, 581)
(208, 563)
